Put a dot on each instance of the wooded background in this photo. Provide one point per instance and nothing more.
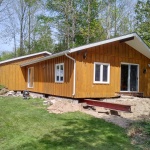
(57, 25)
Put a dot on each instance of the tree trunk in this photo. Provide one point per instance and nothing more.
(73, 23)
(21, 37)
(15, 45)
(88, 22)
(29, 47)
(108, 21)
(115, 34)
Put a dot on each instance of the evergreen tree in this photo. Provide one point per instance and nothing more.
(77, 22)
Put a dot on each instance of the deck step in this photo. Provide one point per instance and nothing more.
(136, 94)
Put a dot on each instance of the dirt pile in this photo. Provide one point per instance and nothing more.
(63, 106)
(140, 109)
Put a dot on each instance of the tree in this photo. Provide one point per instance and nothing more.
(142, 11)
(42, 37)
(20, 9)
(76, 22)
(63, 15)
(6, 55)
(8, 29)
(11, 29)
(3, 5)
(25, 13)
(116, 17)
(32, 8)
(90, 27)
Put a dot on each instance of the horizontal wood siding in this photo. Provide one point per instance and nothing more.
(114, 53)
(44, 77)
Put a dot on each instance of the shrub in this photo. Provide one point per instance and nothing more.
(1, 87)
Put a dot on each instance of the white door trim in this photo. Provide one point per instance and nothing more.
(124, 63)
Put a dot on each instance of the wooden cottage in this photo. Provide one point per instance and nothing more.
(12, 75)
(102, 69)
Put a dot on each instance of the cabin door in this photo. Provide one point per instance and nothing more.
(129, 77)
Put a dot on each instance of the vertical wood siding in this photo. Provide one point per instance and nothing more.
(12, 77)
(15, 78)
(114, 53)
(44, 77)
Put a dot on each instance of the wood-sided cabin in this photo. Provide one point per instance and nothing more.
(12, 75)
(102, 69)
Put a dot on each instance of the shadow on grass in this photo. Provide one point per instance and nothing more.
(81, 133)
(86, 134)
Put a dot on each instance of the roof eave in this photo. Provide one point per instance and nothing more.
(26, 56)
(46, 58)
(139, 45)
(130, 39)
(102, 42)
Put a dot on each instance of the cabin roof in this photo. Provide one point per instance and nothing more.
(22, 57)
(132, 40)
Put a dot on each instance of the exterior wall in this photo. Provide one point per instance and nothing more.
(44, 77)
(12, 76)
(15, 78)
(113, 53)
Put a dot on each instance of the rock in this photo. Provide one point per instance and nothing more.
(18, 94)
(75, 101)
(53, 101)
(3, 91)
(36, 95)
(10, 93)
(45, 102)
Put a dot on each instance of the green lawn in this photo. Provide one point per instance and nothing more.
(25, 124)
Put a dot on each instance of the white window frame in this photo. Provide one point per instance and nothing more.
(138, 75)
(101, 73)
(29, 78)
(61, 64)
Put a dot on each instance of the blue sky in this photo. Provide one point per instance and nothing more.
(5, 46)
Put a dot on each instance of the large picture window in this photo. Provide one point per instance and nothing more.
(101, 73)
(59, 72)
(30, 77)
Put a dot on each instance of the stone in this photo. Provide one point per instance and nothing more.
(10, 93)
(3, 91)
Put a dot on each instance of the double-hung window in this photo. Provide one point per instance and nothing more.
(101, 73)
(59, 73)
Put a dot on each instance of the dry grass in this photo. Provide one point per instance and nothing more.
(140, 134)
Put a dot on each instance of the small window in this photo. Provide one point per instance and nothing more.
(59, 72)
(30, 77)
(101, 73)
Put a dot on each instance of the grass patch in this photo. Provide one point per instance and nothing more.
(1, 87)
(140, 134)
(25, 124)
